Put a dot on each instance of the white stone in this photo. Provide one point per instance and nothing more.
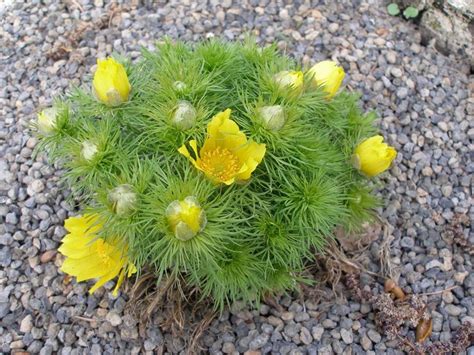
(26, 324)
(114, 319)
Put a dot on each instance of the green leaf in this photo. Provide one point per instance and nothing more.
(410, 12)
(393, 9)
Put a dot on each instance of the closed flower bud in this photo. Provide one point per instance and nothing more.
(184, 117)
(111, 85)
(123, 199)
(186, 218)
(89, 150)
(327, 74)
(273, 117)
(47, 120)
(373, 156)
(179, 86)
(289, 80)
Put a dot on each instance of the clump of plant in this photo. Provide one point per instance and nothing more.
(410, 12)
(220, 164)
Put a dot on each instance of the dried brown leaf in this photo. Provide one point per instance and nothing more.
(67, 280)
(423, 330)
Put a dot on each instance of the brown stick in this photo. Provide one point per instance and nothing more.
(439, 291)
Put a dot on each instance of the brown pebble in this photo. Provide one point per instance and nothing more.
(48, 256)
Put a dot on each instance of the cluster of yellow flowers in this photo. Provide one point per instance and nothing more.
(326, 74)
(226, 156)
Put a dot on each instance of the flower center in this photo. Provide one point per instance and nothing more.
(220, 163)
(101, 249)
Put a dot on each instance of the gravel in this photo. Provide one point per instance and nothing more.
(425, 109)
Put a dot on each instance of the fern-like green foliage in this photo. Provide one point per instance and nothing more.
(258, 234)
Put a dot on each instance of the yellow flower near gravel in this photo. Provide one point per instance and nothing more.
(227, 155)
(90, 257)
(327, 74)
(111, 85)
(373, 156)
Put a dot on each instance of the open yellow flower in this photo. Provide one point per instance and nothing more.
(373, 156)
(327, 74)
(227, 155)
(90, 257)
(110, 83)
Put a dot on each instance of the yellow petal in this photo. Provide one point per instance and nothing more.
(373, 156)
(110, 82)
(72, 251)
(223, 132)
(132, 269)
(104, 279)
(119, 282)
(251, 154)
(218, 121)
(329, 75)
(84, 268)
(82, 224)
(184, 151)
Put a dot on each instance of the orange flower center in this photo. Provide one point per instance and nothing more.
(220, 163)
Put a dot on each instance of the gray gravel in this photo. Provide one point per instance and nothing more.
(422, 97)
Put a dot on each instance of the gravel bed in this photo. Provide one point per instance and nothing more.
(426, 108)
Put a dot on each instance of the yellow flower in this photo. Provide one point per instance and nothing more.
(289, 79)
(327, 74)
(186, 218)
(372, 156)
(226, 156)
(90, 257)
(110, 83)
(47, 120)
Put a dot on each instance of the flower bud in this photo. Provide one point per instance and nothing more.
(47, 120)
(372, 156)
(327, 74)
(179, 86)
(289, 80)
(123, 199)
(89, 150)
(110, 83)
(186, 218)
(273, 117)
(184, 117)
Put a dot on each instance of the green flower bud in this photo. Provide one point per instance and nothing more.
(47, 120)
(89, 150)
(184, 116)
(273, 117)
(179, 86)
(123, 199)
